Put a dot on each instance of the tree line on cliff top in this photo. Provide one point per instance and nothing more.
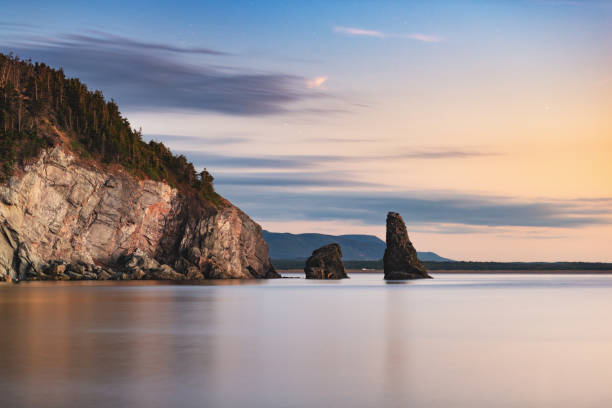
(35, 97)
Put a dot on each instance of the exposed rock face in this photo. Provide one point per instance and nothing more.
(325, 263)
(400, 259)
(58, 209)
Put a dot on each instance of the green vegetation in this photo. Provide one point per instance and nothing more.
(286, 264)
(16, 147)
(34, 98)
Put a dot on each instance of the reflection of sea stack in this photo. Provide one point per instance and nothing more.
(400, 260)
(325, 263)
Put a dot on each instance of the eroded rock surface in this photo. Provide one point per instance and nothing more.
(60, 212)
(325, 263)
(400, 259)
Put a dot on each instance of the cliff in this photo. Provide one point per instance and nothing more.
(58, 209)
(82, 196)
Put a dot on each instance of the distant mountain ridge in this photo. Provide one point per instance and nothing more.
(354, 247)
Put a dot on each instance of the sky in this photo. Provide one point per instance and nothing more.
(486, 124)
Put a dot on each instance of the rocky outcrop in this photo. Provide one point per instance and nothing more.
(400, 259)
(59, 209)
(325, 263)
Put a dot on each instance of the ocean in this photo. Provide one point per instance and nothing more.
(458, 340)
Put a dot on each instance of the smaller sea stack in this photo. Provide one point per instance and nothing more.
(400, 260)
(325, 263)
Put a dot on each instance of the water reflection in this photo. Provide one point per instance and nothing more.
(460, 340)
(396, 372)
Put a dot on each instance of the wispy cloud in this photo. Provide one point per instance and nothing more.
(283, 179)
(417, 208)
(316, 83)
(441, 154)
(116, 41)
(359, 31)
(10, 24)
(285, 162)
(147, 75)
(422, 37)
(353, 31)
(329, 139)
(195, 140)
(209, 159)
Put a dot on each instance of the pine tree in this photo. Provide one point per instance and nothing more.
(35, 97)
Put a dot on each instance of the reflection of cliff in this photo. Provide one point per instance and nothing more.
(100, 347)
(399, 374)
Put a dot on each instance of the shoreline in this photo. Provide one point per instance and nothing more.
(481, 272)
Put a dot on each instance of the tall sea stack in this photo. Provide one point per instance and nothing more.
(400, 260)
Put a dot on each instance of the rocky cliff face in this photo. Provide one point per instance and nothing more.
(400, 259)
(59, 209)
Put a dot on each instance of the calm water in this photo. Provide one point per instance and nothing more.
(455, 341)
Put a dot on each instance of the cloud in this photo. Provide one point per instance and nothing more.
(417, 208)
(317, 82)
(146, 75)
(295, 188)
(359, 31)
(208, 159)
(15, 25)
(352, 31)
(423, 37)
(318, 139)
(294, 162)
(106, 39)
(441, 154)
(279, 179)
(195, 140)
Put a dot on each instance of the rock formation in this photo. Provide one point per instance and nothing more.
(63, 219)
(400, 259)
(325, 263)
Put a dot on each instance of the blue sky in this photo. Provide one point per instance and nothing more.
(485, 123)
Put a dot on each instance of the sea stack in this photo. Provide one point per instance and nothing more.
(325, 263)
(400, 260)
